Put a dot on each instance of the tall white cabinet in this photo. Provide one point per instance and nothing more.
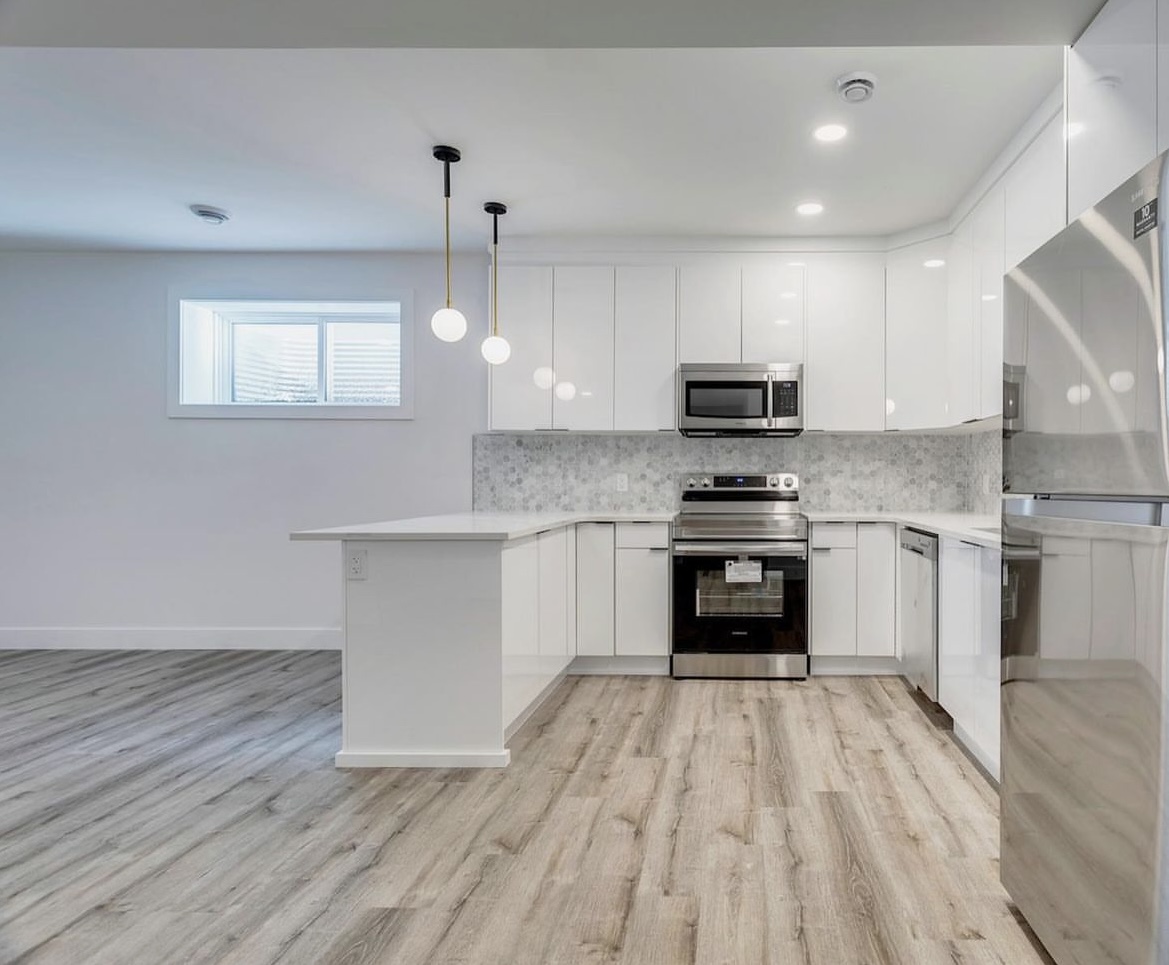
(773, 311)
(583, 313)
(915, 330)
(845, 374)
(710, 306)
(525, 312)
(645, 355)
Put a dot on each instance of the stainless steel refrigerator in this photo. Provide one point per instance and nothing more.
(1085, 543)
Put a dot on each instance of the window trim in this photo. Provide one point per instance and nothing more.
(177, 409)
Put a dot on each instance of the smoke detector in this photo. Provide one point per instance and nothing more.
(209, 214)
(856, 87)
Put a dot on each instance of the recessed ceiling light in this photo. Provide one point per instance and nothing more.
(209, 214)
(809, 208)
(934, 263)
(830, 133)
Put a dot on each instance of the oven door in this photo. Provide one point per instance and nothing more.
(740, 598)
(725, 402)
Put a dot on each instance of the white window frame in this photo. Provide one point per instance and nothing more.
(177, 409)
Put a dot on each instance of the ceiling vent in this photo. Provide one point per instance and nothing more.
(856, 87)
(209, 214)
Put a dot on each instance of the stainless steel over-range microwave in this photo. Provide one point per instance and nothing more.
(741, 399)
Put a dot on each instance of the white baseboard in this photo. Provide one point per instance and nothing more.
(855, 666)
(171, 638)
(633, 666)
(412, 759)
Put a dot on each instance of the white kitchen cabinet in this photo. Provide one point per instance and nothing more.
(520, 602)
(988, 239)
(1111, 101)
(773, 311)
(833, 589)
(988, 673)
(876, 590)
(646, 348)
(525, 315)
(595, 581)
(643, 602)
(1114, 590)
(583, 314)
(958, 595)
(916, 303)
(961, 335)
(570, 592)
(1035, 193)
(552, 549)
(845, 372)
(710, 313)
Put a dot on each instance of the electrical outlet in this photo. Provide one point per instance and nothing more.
(355, 564)
(621, 482)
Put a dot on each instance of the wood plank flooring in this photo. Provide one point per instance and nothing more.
(183, 807)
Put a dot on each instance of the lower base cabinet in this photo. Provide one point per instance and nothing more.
(969, 602)
(623, 589)
(854, 589)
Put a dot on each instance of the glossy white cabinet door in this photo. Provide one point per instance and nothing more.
(988, 228)
(595, 579)
(582, 312)
(570, 592)
(520, 578)
(773, 311)
(834, 602)
(710, 313)
(987, 709)
(957, 630)
(876, 589)
(845, 373)
(525, 318)
(1114, 591)
(961, 337)
(1035, 190)
(643, 602)
(646, 352)
(1111, 101)
(916, 303)
(553, 553)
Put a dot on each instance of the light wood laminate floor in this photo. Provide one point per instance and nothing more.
(184, 808)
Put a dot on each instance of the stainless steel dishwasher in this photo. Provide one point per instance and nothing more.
(919, 610)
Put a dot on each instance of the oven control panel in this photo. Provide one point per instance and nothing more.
(781, 481)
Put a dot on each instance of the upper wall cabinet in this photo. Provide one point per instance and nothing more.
(915, 330)
(582, 314)
(525, 318)
(1035, 195)
(773, 311)
(987, 241)
(1111, 101)
(645, 356)
(845, 372)
(710, 304)
(962, 346)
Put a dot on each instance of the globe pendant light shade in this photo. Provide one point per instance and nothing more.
(448, 324)
(495, 349)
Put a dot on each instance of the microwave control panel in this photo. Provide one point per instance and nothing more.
(786, 399)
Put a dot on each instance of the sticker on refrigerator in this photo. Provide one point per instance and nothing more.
(1144, 219)
(744, 571)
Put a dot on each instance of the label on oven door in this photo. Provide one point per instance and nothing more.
(744, 571)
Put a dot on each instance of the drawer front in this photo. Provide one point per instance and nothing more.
(643, 535)
(834, 535)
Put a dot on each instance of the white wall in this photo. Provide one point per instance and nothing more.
(120, 527)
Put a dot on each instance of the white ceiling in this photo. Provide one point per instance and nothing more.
(330, 149)
(540, 23)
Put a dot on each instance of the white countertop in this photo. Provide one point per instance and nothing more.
(509, 526)
(963, 526)
(474, 526)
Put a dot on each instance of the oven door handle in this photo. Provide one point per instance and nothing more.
(796, 549)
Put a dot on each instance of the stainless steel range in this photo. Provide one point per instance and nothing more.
(740, 578)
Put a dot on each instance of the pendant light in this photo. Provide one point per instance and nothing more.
(495, 348)
(448, 323)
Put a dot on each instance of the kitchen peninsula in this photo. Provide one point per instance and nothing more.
(458, 626)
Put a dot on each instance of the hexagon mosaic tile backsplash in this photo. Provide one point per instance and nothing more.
(581, 472)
